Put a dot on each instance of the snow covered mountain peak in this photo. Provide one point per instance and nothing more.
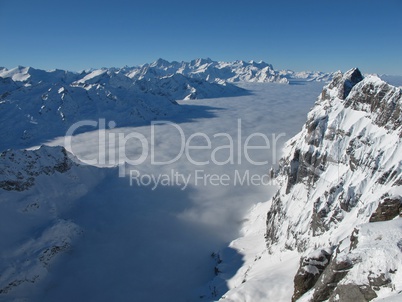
(211, 71)
(343, 83)
(198, 62)
(339, 202)
(347, 138)
(18, 73)
(31, 76)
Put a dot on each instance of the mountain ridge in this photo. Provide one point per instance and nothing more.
(338, 207)
(31, 98)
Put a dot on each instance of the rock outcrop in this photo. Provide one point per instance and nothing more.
(387, 210)
(311, 268)
(18, 169)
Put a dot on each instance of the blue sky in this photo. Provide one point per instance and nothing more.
(300, 35)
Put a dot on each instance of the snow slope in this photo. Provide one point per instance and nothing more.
(340, 189)
(36, 189)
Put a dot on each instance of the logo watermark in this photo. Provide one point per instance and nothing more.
(198, 178)
(129, 150)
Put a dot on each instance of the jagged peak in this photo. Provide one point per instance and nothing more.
(350, 79)
(95, 74)
(380, 99)
(334, 133)
(353, 75)
(342, 84)
(160, 62)
(19, 73)
(201, 61)
(261, 64)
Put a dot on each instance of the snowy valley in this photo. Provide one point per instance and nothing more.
(330, 231)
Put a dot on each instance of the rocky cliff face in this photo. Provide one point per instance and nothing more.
(341, 175)
(333, 231)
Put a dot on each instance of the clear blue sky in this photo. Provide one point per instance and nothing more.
(300, 35)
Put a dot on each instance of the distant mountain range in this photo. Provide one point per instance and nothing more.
(233, 72)
(32, 99)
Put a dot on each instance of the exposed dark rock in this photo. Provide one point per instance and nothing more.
(377, 281)
(325, 279)
(17, 185)
(49, 253)
(329, 279)
(309, 271)
(354, 239)
(348, 202)
(387, 210)
(46, 160)
(316, 130)
(351, 78)
(274, 216)
(353, 161)
(398, 182)
(387, 176)
(304, 168)
(380, 99)
(317, 220)
(16, 283)
(352, 292)
(293, 171)
(344, 83)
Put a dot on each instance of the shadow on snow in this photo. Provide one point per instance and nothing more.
(136, 247)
